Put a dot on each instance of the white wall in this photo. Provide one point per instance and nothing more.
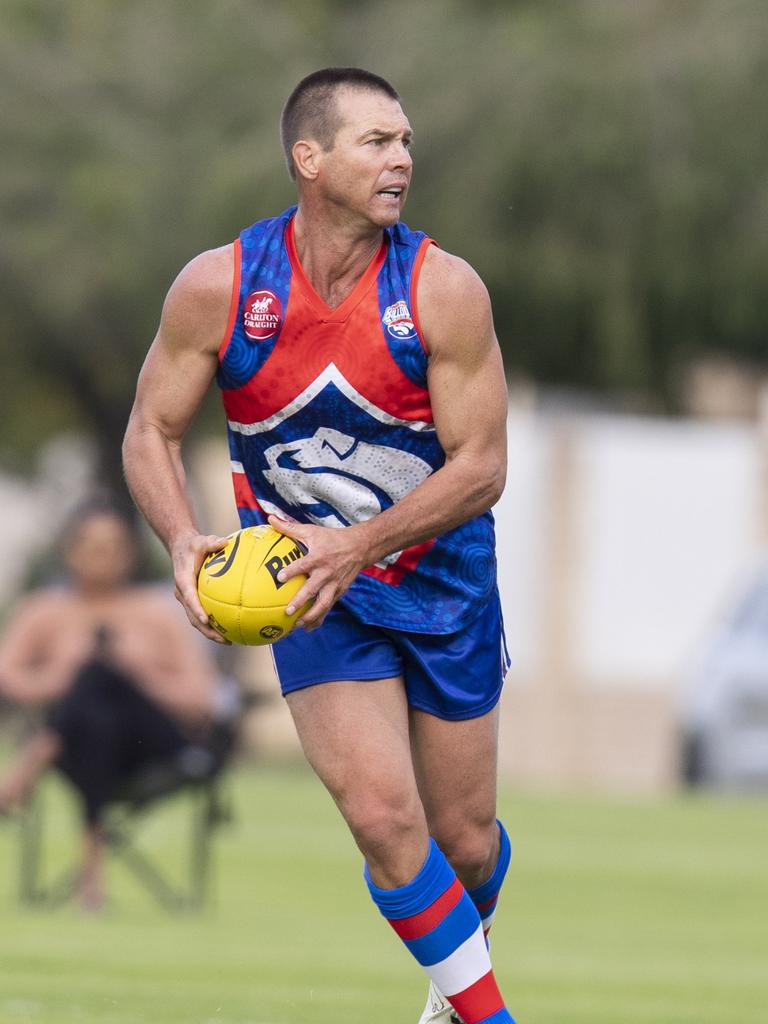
(652, 523)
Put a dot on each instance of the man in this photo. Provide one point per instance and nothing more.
(111, 662)
(366, 406)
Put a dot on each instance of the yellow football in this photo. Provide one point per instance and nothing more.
(240, 591)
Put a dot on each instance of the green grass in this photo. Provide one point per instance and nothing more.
(615, 912)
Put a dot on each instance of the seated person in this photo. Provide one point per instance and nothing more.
(112, 663)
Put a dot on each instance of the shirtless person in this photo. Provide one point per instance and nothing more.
(112, 664)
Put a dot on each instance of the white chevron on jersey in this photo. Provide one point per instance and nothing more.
(330, 375)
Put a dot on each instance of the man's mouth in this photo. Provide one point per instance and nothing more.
(394, 192)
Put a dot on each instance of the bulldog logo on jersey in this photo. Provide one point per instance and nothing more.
(338, 480)
(262, 315)
(398, 321)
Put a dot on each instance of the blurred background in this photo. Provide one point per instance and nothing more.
(604, 166)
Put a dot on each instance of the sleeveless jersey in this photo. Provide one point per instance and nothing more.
(330, 422)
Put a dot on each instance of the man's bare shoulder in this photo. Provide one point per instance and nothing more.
(451, 296)
(44, 605)
(156, 598)
(152, 602)
(196, 308)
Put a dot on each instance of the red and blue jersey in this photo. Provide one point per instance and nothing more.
(330, 421)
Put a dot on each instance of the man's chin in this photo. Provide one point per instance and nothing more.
(385, 218)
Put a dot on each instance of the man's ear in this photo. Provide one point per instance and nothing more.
(306, 159)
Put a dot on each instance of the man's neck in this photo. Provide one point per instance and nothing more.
(334, 252)
(98, 594)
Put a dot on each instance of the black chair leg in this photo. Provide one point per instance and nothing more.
(142, 868)
(32, 889)
(192, 894)
(30, 851)
(119, 828)
(203, 821)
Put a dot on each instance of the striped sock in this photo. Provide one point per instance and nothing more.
(485, 896)
(439, 924)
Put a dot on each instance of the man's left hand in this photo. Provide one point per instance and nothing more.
(333, 561)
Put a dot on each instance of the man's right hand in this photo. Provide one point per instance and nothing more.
(188, 554)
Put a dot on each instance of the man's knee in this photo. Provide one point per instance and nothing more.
(382, 819)
(471, 846)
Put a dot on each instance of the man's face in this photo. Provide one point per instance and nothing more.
(368, 171)
(101, 553)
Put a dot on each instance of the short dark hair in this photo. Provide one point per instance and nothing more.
(311, 109)
(97, 505)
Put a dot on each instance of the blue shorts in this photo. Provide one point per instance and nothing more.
(454, 676)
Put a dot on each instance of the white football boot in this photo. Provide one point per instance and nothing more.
(438, 1010)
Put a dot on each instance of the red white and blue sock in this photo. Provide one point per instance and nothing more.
(440, 925)
(486, 896)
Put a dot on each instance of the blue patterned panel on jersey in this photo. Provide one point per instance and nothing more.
(397, 301)
(264, 270)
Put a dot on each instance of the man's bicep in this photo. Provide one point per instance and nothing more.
(22, 638)
(466, 379)
(469, 402)
(172, 384)
(183, 358)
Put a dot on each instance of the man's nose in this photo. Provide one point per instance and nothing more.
(400, 157)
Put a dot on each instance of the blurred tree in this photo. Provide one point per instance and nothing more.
(601, 162)
(637, 169)
(137, 135)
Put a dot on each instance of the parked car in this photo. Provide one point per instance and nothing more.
(725, 709)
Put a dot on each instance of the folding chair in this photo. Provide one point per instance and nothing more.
(197, 775)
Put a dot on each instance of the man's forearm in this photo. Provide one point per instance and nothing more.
(155, 476)
(457, 492)
(35, 686)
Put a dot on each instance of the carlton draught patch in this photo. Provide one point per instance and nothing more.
(262, 315)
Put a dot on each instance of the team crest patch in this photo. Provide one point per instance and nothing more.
(262, 315)
(398, 321)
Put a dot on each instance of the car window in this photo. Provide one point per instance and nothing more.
(751, 615)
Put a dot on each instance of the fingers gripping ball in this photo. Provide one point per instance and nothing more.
(240, 591)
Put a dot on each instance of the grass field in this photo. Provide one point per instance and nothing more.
(645, 912)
